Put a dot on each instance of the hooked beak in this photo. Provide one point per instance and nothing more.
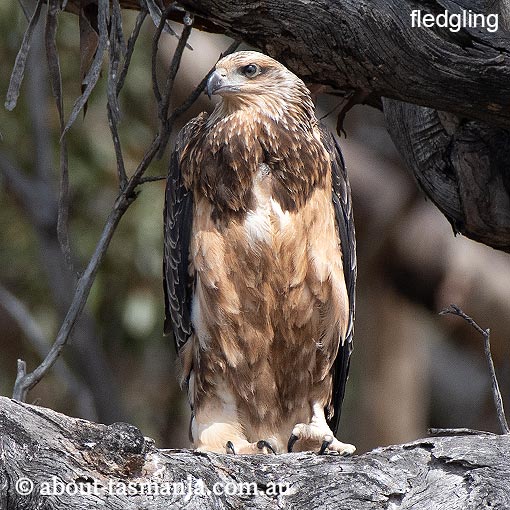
(214, 83)
(217, 82)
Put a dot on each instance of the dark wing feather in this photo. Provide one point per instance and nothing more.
(345, 225)
(178, 222)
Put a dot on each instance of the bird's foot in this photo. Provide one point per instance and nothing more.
(312, 436)
(245, 447)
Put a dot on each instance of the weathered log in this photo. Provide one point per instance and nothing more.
(49, 460)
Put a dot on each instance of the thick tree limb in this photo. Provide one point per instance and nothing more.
(56, 452)
(370, 46)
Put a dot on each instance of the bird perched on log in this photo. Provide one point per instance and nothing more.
(259, 265)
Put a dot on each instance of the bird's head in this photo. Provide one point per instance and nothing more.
(252, 78)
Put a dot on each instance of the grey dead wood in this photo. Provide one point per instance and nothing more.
(370, 46)
(454, 472)
(461, 164)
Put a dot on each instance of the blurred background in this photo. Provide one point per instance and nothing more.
(411, 368)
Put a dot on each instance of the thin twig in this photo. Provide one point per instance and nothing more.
(174, 66)
(117, 51)
(498, 401)
(130, 48)
(154, 178)
(21, 59)
(119, 36)
(154, 57)
(121, 169)
(169, 86)
(95, 68)
(116, 81)
(18, 393)
(56, 87)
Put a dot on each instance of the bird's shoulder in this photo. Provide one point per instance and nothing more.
(190, 130)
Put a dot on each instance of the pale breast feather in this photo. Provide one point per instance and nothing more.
(257, 222)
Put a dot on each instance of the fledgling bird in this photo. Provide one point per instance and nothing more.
(259, 265)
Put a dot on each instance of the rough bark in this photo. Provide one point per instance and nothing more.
(61, 454)
(461, 164)
(370, 46)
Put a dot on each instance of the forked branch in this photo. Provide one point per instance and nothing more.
(496, 393)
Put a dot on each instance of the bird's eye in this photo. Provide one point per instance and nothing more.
(251, 70)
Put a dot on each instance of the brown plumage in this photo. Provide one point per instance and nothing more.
(259, 264)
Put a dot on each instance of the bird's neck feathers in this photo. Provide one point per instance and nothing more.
(270, 106)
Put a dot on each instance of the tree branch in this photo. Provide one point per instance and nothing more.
(371, 47)
(88, 464)
(458, 163)
(21, 58)
(56, 86)
(496, 393)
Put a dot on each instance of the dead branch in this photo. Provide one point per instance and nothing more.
(496, 393)
(47, 458)
(333, 43)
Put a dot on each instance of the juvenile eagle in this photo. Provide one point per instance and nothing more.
(259, 265)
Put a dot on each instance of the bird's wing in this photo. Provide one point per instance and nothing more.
(178, 223)
(345, 225)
